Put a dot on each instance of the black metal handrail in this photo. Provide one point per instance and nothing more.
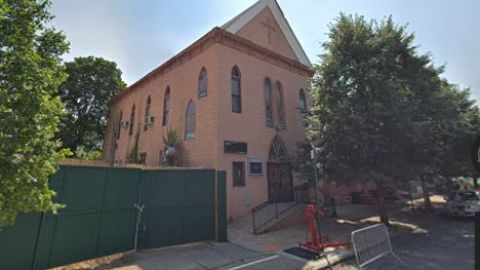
(268, 212)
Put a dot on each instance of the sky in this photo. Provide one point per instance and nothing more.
(140, 35)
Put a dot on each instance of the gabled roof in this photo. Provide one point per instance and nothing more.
(227, 36)
(235, 24)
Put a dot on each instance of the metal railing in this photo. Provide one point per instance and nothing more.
(268, 212)
(372, 243)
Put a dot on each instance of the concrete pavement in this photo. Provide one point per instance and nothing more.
(422, 240)
(218, 256)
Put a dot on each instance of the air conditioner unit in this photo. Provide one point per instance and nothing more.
(150, 120)
(125, 124)
(163, 157)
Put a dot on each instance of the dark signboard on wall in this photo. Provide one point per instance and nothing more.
(235, 147)
(255, 166)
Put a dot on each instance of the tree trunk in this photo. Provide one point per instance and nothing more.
(426, 195)
(410, 196)
(448, 184)
(382, 207)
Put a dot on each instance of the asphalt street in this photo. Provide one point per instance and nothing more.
(449, 244)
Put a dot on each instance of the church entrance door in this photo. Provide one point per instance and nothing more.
(280, 185)
(279, 174)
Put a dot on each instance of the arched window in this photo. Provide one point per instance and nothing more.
(190, 121)
(277, 149)
(119, 124)
(280, 107)
(302, 102)
(202, 83)
(147, 113)
(236, 91)
(302, 106)
(166, 106)
(267, 91)
(132, 120)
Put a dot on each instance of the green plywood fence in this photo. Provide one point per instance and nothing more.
(180, 206)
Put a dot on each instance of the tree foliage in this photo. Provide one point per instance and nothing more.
(30, 75)
(91, 83)
(381, 110)
(457, 162)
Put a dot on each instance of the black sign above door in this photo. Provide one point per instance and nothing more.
(235, 147)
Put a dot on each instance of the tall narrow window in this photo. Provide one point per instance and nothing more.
(119, 125)
(190, 121)
(302, 106)
(132, 120)
(280, 107)
(236, 91)
(166, 106)
(202, 83)
(147, 113)
(238, 173)
(267, 91)
(302, 102)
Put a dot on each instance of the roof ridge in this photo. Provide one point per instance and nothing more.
(234, 25)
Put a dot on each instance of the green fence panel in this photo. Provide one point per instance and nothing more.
(162, 223)
(83, 189)
(222, 206)
(199, 187)
(45, 240)
(97, 200)
(17, 243)
(122, 188)
(76, 226)
(117, 232)
(179, 207)
(199, 205)
(99, 217)
(75, 238)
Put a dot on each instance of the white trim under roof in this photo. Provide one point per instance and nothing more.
(243, 18)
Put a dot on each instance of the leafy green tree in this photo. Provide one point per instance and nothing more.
(91, 83)
(379, 112)
(30, 75)
(93, 155)
(458, 162)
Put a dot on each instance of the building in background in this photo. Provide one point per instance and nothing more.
(236, 97)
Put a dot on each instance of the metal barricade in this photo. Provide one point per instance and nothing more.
(371, 244)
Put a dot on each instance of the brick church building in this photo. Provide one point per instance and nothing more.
(236, 97)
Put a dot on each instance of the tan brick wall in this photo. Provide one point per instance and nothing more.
(215, 122)
(250, 125)
(256, 31)
(183, 83)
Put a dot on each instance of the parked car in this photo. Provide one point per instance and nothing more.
(463, 203)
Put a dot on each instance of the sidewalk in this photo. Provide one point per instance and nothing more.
(290, 235)
(350, 217)
(247, 251)
(187, 257)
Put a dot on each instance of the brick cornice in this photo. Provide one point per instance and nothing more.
(218, 35)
